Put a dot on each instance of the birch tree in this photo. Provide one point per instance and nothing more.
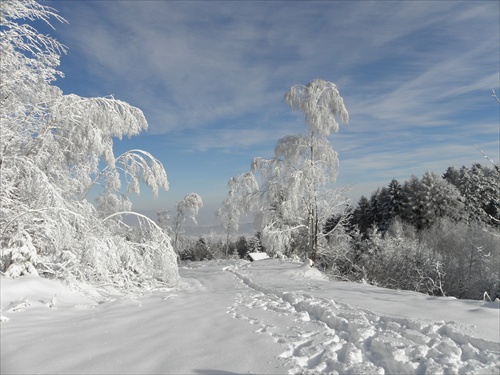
(229, 216)
(187, 208)
(236, 203)
(295, 190)
(51, 149)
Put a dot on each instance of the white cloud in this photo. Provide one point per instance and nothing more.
(416, 76)
(202, 62)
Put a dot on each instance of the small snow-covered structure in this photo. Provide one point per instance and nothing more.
(257, 256)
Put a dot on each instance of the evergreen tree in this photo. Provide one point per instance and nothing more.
(392, 204)
(431, 198)
(242, 247)
(255, 245)
(375, 208)
(491, 196)
(360, 216)
(201, 250)
(480, 187)
(384, 204)
(452, 175)
(412, 204)
(441, 199)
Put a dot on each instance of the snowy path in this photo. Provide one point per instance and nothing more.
(266, 317)
(332, 337)
(188, 331)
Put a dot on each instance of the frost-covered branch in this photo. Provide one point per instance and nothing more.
(496, 166)
(494, 94)
(150, 222)
(136, 164)
(37, 211)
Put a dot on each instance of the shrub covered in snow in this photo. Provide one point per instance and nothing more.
(469, 256)
(449, 258)
(20, 255)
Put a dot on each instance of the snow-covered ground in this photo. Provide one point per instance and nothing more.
(233, 317)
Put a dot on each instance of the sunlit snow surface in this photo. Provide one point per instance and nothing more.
(263, 317)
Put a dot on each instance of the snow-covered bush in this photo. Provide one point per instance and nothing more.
(470, 257)
(401, 261)
(54, 149)
(338, 257)
(449, 258)
(204, 249)
(20, 255)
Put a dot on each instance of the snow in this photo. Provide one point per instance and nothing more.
(258, 256)
(265, 317)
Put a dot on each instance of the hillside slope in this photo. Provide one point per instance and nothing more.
(236, 317)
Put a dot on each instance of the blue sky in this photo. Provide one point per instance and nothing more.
(416, 78)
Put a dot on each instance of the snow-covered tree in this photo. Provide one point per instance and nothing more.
(480, 188)
(441, 199)
(228, 216)
(391, 204)
(375, 207)
(452, 175)
(361, 217)
(322, 105)
(430, 198)
(187, 208)
(255, 245)
(295, 186)
(242, 247)
(412, 204)
(234, 205)
(51, 149)
(335, 257)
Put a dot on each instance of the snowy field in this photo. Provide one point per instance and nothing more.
(234, 317)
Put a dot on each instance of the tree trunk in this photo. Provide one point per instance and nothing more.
(309, 235)
(315, 238)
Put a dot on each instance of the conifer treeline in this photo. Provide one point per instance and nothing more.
(435, 234)
(466, 194)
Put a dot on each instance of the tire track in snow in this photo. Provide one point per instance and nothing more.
(328, 337)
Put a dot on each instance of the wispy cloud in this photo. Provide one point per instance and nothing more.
(416, 76)
(210, 61)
